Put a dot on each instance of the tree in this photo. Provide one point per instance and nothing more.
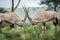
(12, 8)
(55, 3)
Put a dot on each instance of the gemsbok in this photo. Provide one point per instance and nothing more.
(11, 18)
(45, 16)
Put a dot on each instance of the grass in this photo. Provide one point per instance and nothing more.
(29, 32)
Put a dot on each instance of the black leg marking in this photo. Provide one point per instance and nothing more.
(1, 22)
(55, 22)
(12, 26)
(44, 24)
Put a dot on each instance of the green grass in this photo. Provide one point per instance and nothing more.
(29, 32)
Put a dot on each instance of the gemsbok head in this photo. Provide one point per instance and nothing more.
(45, 16)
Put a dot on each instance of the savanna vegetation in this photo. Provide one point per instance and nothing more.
(29, 32)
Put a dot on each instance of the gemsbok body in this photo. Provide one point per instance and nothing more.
(45, 16)
(10, 18)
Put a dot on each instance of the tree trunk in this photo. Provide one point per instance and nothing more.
(55, 6)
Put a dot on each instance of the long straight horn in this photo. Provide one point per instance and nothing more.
(12, 8)
(26, 14)
(15, 6)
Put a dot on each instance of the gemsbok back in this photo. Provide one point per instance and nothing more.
(11, 18)
(45, 16)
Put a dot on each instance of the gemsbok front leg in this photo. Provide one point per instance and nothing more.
(11, 26)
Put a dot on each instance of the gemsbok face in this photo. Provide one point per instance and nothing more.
(45, 16)
(11, 18)
(19, 22)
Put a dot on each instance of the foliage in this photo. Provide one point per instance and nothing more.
(28, 32)
(55, 3)
(2, 10)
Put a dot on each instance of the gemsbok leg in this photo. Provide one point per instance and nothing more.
(1, 22)
(11, 25)
(55, 22)
(44, 27)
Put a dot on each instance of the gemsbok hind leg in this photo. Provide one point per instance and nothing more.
(44, 27)
(1, 22)
(55, 22)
